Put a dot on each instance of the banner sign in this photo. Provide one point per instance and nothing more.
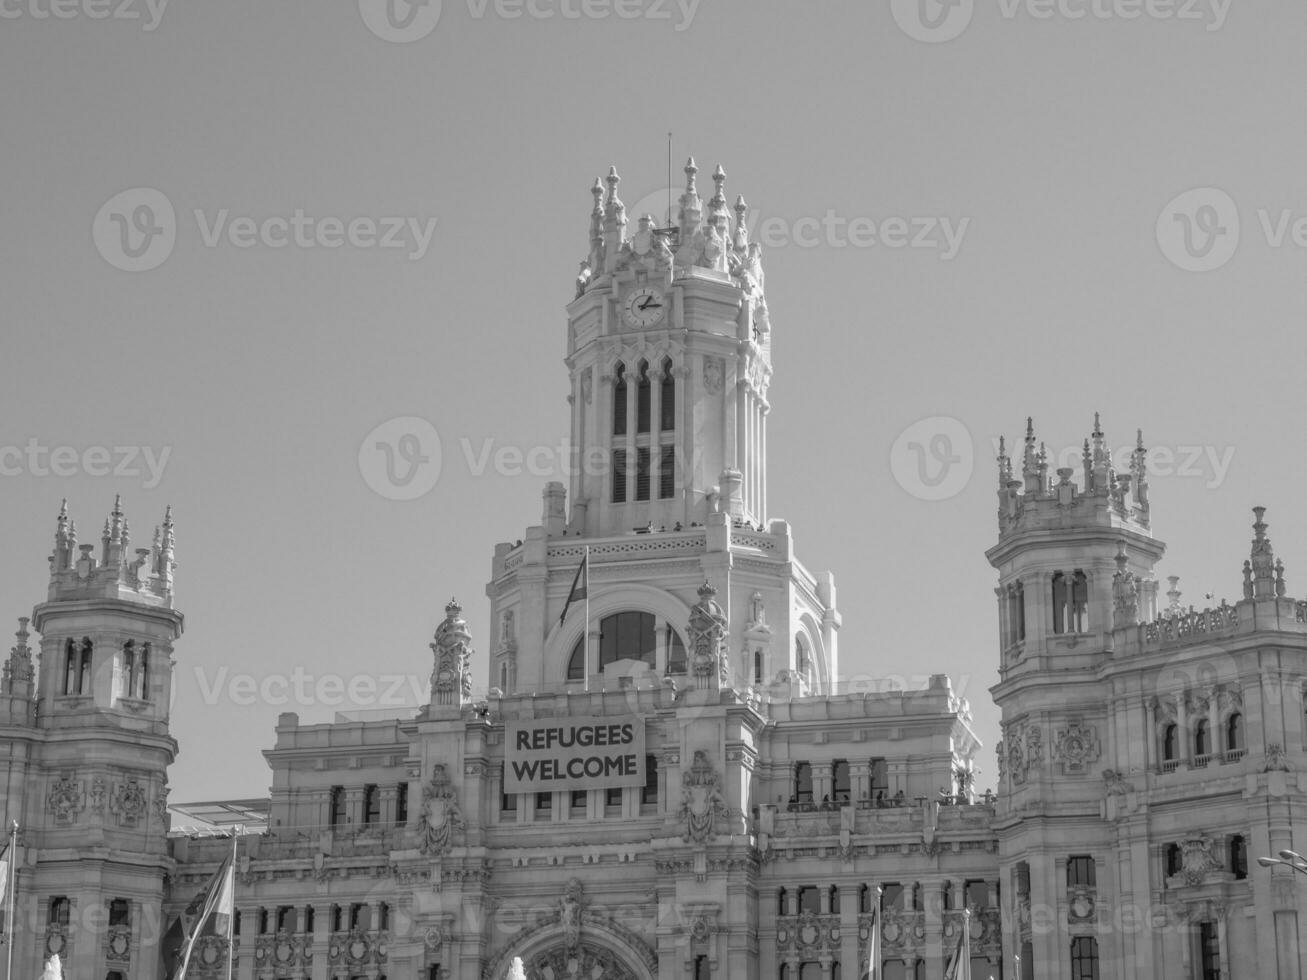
(548, 754)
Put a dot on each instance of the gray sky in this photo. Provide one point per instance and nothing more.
(1057, 143)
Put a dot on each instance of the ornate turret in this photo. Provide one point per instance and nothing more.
(451, 678)
(1263, 575)
(141, 576)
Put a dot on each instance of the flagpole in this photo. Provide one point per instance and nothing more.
(9, 890)
(231, 919)
(585, 562)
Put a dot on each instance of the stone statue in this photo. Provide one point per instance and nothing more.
(570, 906)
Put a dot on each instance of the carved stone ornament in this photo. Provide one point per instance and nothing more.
(587, 385)
(1116, 784)
(585, 961)
(1076, 746)
(451, 679)
(701, 800)
(714, 373)
(1199, 854)
(66, 798)
(441, 815)
(707, 636)
(128, 801)
(1277, 760)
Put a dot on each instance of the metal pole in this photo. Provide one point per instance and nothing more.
(231, 918)
(586, 561)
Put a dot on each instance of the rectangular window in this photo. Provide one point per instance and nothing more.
(1084, 958)
(619, 476)
(802, 782)
(642, 474)
(60, 910)
(285, 918)
(649, 794)
(667, 409)
(544, 801)
(840, 781)
(579, 799)
(1210, 940)
(1080, 871)
(371, 804)
(879, 780)
(613, 796)
(891, 896)
(809, 900)
(508, 802)
(337, 816)
(401, 804)
(120, 912)
(977, 894)
(667, 473)
(308, 919)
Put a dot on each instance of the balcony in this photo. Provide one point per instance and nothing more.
(1234, 755)
(1200, 761)
(1169, 765)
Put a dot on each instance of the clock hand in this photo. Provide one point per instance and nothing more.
(648, 302)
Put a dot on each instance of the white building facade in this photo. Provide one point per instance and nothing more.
(667, 779)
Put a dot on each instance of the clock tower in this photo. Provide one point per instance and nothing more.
(669, 363)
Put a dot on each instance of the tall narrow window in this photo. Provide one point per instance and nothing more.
(810, 900)
(371, 804)
(840, 781)
(757, 667)
(642, 475)
(613, 796)
(879, 779)
(1202, 743)
(401, 804)
(576, 664)
(619, 476)
(802, 782)
(1170, 738)
(1234, 732)
(84, 675)
(643, 399)
(1016, 613)
(1059, 603)
(1173, 860)
(70, 667)
(619, 400)
(676, 661)
(1239, 857)
(308, 920)
(667, 473)
(128, 686)
(143, 673)
(508, 802)
(1084, 958)
(1209, 938)
(337, 816)
(1079, 603)
(649, 794)
(579, 799)
(667, 406)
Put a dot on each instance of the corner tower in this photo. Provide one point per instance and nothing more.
(90, 750)
(669, 361)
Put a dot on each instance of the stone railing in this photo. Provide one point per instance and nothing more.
(759, 540)
(1188, 625)
(809, 820)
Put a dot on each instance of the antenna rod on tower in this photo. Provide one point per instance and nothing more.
(669, 178)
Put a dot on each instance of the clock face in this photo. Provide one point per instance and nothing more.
(644, 306)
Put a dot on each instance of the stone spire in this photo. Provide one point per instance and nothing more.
(1261, 562)
(1030, 460)
(18, 670)
(614, 221)
(741, 241)
(691, 206)
(167, 548)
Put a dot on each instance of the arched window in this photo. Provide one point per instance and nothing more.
(143, 673)
(1170, 738)
(1059, 602)
(1234, 732)
(1016, 613)
(1239, 857)
(802, 662)
(1202, 738)
(667, 404)
(643, 399)
(1084, 958)
(619, 400)
(622, 636)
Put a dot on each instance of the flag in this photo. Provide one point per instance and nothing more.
(4, 874)
(873, 952)
(580, 586)
(959, 966)
(179, 940)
